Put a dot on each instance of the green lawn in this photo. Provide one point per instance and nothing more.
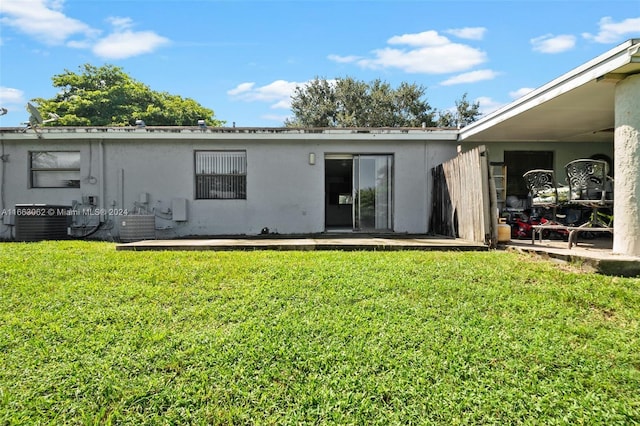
(91, 335)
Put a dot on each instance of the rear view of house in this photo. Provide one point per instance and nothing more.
(176, 182)
(146, 182)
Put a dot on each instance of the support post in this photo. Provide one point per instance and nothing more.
(626, 210)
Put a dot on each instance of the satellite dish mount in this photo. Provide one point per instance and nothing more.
(36, 120)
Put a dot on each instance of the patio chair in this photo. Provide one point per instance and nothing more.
(588, 184)
(543, 190)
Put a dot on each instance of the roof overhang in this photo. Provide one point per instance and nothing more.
(576, 107)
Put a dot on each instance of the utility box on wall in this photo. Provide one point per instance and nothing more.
(179, 209)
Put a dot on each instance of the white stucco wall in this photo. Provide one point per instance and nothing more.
(284, 192)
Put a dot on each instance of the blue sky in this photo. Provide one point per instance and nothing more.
(243, 59)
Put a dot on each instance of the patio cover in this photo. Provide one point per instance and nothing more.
(596, 102)
(576, 107)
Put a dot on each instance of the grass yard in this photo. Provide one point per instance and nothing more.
(91, 335)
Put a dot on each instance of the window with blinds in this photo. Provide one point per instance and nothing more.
(221, 175)
(55, 169)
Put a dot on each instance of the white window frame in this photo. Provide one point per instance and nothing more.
(70, 175)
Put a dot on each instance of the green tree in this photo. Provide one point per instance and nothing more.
(346, 102)
(314, 105)
(107, 96)
(465, 113)
(351, 102)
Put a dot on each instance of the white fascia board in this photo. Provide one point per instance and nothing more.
(606, 63)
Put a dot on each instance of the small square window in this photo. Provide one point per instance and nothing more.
(221, 175)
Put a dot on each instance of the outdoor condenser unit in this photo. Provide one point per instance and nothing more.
(38, 222)
(137, 227)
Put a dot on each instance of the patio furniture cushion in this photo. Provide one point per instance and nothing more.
(548, 196)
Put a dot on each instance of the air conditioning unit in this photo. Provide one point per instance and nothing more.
(39, 222)
(137, 227)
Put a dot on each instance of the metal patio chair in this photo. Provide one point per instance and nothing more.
(589, 186)
(543, 190)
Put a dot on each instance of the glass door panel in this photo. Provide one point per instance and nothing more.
(372, 190)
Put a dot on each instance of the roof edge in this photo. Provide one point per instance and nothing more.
(231, 133)
(607, 62)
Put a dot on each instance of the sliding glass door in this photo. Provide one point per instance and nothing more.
(372, 192)
(358, 192)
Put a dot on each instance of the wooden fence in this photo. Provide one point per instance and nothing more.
(464, 198)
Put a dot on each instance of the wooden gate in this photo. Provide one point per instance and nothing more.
(464, 199)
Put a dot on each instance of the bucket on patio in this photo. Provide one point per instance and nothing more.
(504, 231)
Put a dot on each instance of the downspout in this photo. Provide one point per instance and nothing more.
(3, 160)
(428, 201)
(102, 178)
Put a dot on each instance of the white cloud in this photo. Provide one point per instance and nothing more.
(429, 60)
(282, 103)
(124, 43)
(520, 92)
(43, 20)
(611, 32)
(10, 95)
(470, 33)
(12, 99)
(470, 77)
(343, 59)
(120, 23)
(549, 43)
(277, 93)
(427, 52)
(127, 43)
(241, 88)
(426, 38)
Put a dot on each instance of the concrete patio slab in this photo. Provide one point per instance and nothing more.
(306, 243)
(594, 255)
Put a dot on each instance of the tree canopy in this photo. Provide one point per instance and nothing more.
(347, 102)
(107, 96)
(464, 114)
